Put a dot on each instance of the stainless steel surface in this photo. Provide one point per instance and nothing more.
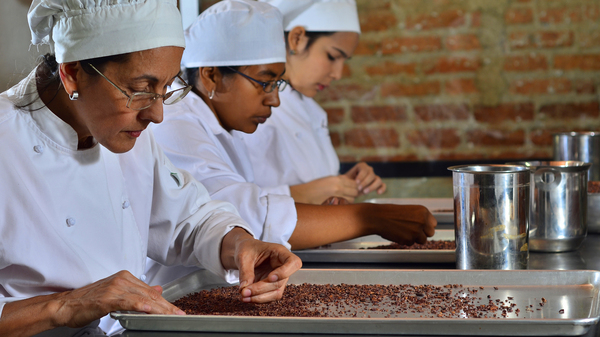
(593, 213)
(577, 292)
(579, 146)
(491, 216)
(353, 251)
(558, 213)
(437, 206)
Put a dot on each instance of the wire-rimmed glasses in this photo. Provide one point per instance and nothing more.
(143, 100)
(268, 87)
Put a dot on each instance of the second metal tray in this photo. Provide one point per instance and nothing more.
(353, 251)
(575, 292)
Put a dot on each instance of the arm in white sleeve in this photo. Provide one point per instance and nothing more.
(187, 227)
(272, 217)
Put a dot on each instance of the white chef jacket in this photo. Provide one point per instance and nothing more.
(293, 147)
(193, 139)
(71, 217)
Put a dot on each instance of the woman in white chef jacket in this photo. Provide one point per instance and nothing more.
(81, 206)
(235, 86)
(293, 149)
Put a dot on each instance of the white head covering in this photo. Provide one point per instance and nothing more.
(83, 29)
(235, 33)
(319, 15)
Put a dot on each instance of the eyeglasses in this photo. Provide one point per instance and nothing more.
(143, 100)
(268, 87)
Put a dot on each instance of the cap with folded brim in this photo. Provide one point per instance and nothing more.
(85, 29)
(235, 33)
(319, 15)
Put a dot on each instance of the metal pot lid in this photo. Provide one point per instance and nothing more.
(562, 166)
(578, 134)
(488, 169)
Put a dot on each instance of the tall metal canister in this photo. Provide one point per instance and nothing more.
(491, 216)
(579, 146)
(558, 215)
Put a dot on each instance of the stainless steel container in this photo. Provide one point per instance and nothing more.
(491, 216)
(579, 146)
(558, 205)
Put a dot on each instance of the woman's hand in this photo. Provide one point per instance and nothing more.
(264, 267)
(335, 201)
(121, 291)
(79, 307)
(366, 179)
(317, 191)
(405, 224)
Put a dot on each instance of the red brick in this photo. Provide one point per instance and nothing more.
(544, 137)
(441, 112)
(571, 110)
(347, 159)
(518, 16)
(366, 114)
(335, 139)
(525, 63)
(345, 91)
(400, 45)
(582, 62)
(373, 5)
(519, 40)
(386, 159)
(476, 19)
(451, 65)
(416, 89)
(585, 87)
(458, 156)
(496, 137)
(367, 47)
(592, 13)
(462, 42)
(559, 15)
(391, 68)
(541, 86)
(346, 71)
(460, 86)
(554, 39)
(434, 138)
(589, 39)
(334, 115)
(504, 112)
(450, 18)
(377, 21)
(372, 138)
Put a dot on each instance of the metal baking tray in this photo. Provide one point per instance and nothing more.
(434, 205)
(575, 291)
(353, 251)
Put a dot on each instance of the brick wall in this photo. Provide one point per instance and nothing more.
(466, 79)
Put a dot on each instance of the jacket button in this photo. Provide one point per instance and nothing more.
(70, 222)
(143, 278)
(125, 204)
(38, 149)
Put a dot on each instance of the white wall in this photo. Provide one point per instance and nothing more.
(17, 58)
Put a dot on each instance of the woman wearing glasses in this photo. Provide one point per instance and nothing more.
(235, 86)
(293, 149)
(87, 193)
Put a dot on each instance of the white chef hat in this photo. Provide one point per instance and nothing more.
(319, 15)
(235, 33)
(83, 29)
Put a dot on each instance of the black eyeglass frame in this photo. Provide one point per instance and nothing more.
(280, 84)
(149, 95)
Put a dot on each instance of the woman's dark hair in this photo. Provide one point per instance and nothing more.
(191, 74)
(312, 37)
(47, 75)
